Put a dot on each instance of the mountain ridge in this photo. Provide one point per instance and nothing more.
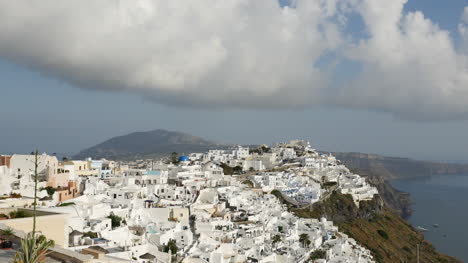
(144, 144)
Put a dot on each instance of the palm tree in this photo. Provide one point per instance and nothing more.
(304, 240)
(34, 249)
(7, 234)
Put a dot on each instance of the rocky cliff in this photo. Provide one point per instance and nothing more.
(388, 236)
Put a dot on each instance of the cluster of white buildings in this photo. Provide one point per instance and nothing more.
(139, 211)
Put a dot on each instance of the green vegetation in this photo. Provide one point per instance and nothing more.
(228, 170)
(237, 169)
(277, 194)
(328, 185)
(173, 158)
(260, 149)
(7, 234)
(15, 195)
(382, 233)
(370, 225)
(90, 234)
(33, 249)
(304, 240)
(67, 204)
(171, 247)
(19, 214)
(116, 220)
(249, 183)
(280, 229)
(317, 254)
(50, 190)
(276, 239)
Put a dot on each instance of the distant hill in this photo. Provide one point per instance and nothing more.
(146, 145)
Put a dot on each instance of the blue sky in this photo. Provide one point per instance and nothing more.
(40, 111)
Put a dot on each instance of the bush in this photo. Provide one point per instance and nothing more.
(18, 214)
(90, 234)
(15, 195)
(318, 254)
(382, 233)
(67, 204)
(249, 183)
(278, 194)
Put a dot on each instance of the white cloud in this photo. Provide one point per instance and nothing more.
(410, 65)
(243, 53)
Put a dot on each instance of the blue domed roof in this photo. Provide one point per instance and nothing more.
(184, 158)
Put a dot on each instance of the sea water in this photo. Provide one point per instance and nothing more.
(441, 200)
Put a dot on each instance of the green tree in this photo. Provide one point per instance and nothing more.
(115, 220)
(227, 170)
(173, 158)
(171, 247)
(304, 240)
(237, 169)
(50, 190)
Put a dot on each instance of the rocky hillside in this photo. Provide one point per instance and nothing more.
(389, 237)
(147, 144)
(397, 201)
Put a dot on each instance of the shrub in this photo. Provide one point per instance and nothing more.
(382, 233)
(18, 214)
(318, 254)
(67, 204)
(90, 234)
(15, 195)
(248, 182)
